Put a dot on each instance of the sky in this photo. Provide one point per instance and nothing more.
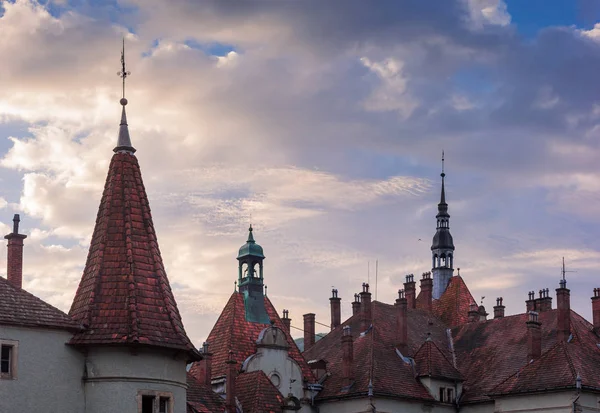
(323, 124)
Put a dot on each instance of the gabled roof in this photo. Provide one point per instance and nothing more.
(257, 394)
(124, 296)
(499, 346)
(376, 358)
(20, 308)
(431, 362)
(201, 397)
(233, 332)
(559, 367)
(453, 306)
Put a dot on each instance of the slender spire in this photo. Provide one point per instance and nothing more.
(124, 141)
(443, 175)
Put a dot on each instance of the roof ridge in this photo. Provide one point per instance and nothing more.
(444, 356)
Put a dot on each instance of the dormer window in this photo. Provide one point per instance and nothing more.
(446, 395)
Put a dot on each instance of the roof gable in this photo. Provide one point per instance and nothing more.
(453, 306)
(257, 394)
(233, 332)
(21, 308)
(430, 361)
(124, 296)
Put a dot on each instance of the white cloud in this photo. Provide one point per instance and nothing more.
(488, 12)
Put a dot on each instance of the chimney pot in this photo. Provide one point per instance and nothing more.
(534, 337)
(287, 321)
(347, 357)
(473, 313)
(230, 383)
(563, 304)
(336, 309)
(402, 322)
(365, 307)
(596, 310)
(14, 258)
(427, 290)
(205, 374)
(309, 330)
(356, 304)
(410, 291)
(499, 308)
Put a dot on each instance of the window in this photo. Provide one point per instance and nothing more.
(8, 359)
(150, 401)
(446, 395)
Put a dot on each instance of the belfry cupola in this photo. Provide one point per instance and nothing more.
(442, 248)
(250, 279)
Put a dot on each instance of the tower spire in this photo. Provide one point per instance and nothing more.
(443, 175)
(124, 141)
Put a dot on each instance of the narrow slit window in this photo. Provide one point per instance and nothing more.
(147, 404)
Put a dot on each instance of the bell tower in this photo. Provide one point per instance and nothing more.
(250, 280)
(442, 248)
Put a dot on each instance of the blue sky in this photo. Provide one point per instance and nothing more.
(322, 124)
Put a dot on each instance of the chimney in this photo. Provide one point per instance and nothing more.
(14, 259)
(499, 308)
(347, 357)
(356, 304)
(410, 291)
(309, 330)
(544, 302)
(473, 313)
(426, 290)
(563, 304)
(401, 322)
(534, 337)
(596, 310)
(530, 303)
(365, 307)
(204, 374)
(287, 321)
(336, 309)
(482, 313)
(230, 384)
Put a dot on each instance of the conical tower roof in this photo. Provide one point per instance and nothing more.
(124, 296)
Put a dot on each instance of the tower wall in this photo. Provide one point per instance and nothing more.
(117, 377)
(441, 278)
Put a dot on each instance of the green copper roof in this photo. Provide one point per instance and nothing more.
(251, 248)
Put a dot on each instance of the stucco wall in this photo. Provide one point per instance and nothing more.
(116, 375)
(478, 408)
(548, 403)
(49, 373)
(382, 405)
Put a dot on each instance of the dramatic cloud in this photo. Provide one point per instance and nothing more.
(323, 124)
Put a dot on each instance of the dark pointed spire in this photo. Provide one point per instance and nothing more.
(443, 175)
(250, 236)
(124, 141)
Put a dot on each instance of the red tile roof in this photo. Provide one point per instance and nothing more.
(430, 361)
(257, 394)
(20, 308)
(201, 398)
(500, 346)
(124, 296)
(453, 306)
(375, 357)
(559, 367)
(233, 332)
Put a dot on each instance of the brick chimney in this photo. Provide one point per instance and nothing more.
(204, 373)
(426, 290)
(534, 337)
(401, 322)
(347, 357)
(356, 304)
(230, 384)
(410, 291)
(596, 310)
(563, 304)
(499, 308)
(365, 307)
(336, 309)
(309, 330)
(473, 313)
(287, 321)
(14, 259)
(544, 302)
(530, 303)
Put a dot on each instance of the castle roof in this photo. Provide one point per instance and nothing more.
(20, 308)
(257, 394)
(124, 296)
(431, 362)
(233, 331)
(201, 398)
(453, 305)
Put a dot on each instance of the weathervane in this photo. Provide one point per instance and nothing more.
(123, 73)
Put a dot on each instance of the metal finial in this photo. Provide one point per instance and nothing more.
(443, 174)
(123, 73)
